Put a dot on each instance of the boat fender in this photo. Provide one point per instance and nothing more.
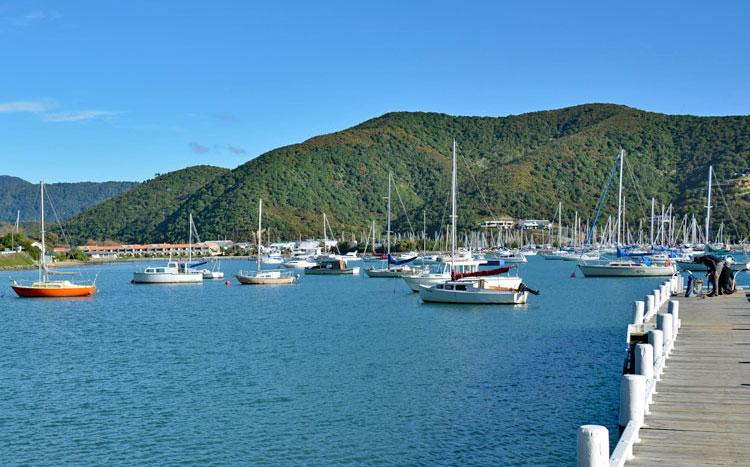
(668, 262)
(132, 281)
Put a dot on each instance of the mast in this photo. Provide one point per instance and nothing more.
(260, 231)
(559, 225)
(453, 206)
(424, 232)
(651, 238)
(388, 232)
(619, 200)
(708, 205)
(43, 262)
(190, 241)
(325, 235)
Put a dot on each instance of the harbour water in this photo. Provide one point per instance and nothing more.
(333, 370)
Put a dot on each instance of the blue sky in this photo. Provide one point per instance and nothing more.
(105, 90)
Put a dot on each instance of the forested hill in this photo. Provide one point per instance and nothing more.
(518, 165)
(69, 199)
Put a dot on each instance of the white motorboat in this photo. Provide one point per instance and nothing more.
(333, 267)
(441, 272)
(173, 273)
(473, 292)
(299, 263)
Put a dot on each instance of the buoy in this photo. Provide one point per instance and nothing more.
(132, 281)
(228, 283)
(573, 274)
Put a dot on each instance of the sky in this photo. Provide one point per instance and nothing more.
(111, 90)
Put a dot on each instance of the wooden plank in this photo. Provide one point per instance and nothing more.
(701, 411)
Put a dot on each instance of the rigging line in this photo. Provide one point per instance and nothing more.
(66, 238)
(638, 190)
(481, 193)
(601, 202)
(729, 212)
(398, 193)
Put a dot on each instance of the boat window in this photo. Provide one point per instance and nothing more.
(461, 287)
(440, 286)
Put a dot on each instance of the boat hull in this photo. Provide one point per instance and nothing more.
(592, 270)
(161, 278)
(53, 292)
(414, 282)
(392, 273)
(430, 294)
(332, 272)
(252, 280)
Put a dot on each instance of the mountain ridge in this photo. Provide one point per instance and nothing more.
(518, 165)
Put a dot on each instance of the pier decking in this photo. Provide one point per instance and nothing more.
(701, 412)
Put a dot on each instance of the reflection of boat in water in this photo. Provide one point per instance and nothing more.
(333, 266)
(50, 288)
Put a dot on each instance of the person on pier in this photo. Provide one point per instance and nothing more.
(715, 265)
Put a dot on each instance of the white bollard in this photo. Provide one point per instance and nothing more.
(632, 400)
(664, 324)
(649, 306)
(644, 361)
(657, 300)
(644, 364)
(638, 312)
(656, 339)
(664, 293)
(593, 446)
(674, 310)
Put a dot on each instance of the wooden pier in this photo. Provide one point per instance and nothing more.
(701, 411)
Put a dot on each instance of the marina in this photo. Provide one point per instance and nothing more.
(278, 373)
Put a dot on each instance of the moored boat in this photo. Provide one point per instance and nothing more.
(45, 288)
(333, 266)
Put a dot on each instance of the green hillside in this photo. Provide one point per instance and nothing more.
(136, 214)
(69, 199)
(516, 165)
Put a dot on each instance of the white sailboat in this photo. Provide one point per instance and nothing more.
(259, 276)
(485, 288)
(401, 269)
(624, 267)
(175, 272)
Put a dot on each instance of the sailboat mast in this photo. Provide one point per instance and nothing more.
(619, 200)
(559, 225)
(652, 221)
(453, 206)
(388, 232)
(43, 262)
(424, 232)
(190, 240)
(708, 205)
(260, 231)
(325, 235)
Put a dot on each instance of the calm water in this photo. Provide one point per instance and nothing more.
(333, 370)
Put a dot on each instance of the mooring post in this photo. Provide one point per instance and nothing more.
(593, 446)
(650, 310)
(638, 312)
(657, 300)
(656, 339)
(674, 310)
(632, 400)
(644, 363)
(664, 323)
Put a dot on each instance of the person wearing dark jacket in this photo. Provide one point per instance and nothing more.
(715, 265)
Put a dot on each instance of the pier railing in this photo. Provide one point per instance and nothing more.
(637, 389)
